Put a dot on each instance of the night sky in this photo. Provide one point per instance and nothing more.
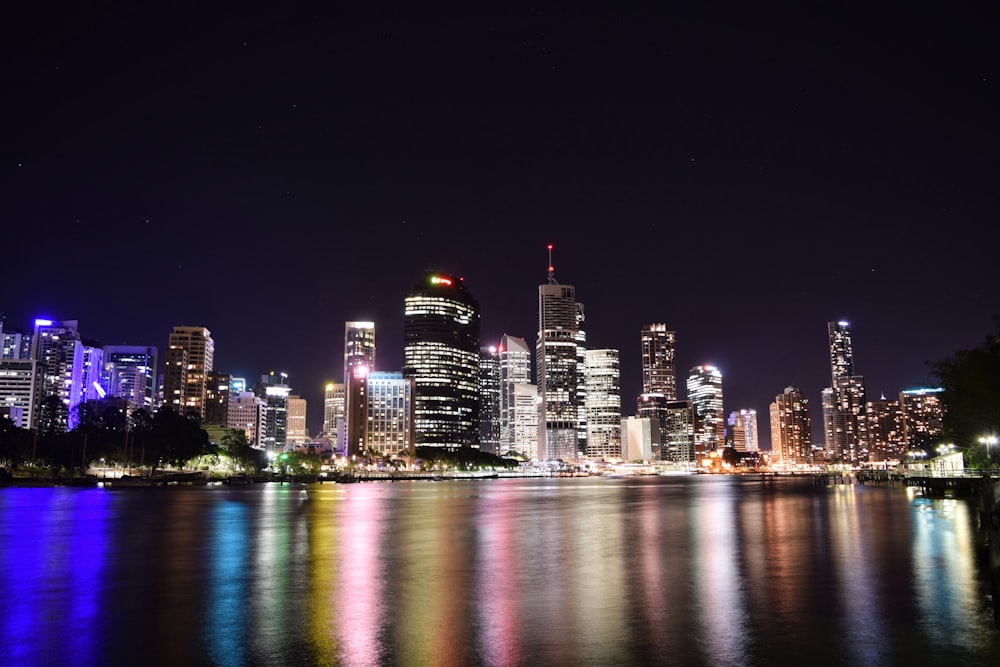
(743, 174)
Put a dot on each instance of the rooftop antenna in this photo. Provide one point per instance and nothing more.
(552, 269)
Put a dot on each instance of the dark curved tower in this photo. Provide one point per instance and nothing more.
(441, 355)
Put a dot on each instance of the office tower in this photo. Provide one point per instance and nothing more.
(638, 436)
(604, 404)
(704, 389)
(189, 358)
(333, 407)
(742, 431)
(884, 429)
(654, 406)
(791, 427)
(658, 373)
(923, 417)
(17, 385)
(524, 418)
(383, 422)
(489, 393)
(58, 354)
(359, 346)
(678, 433)
(274, 389)
(557, 363)
(93, 367)
(441, 356)
(130, 373)
(14, 344)
(515, 371)
(218, 392)
(843, 409)
(248, 413)
(297, 432)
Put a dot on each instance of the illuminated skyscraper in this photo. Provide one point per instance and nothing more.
(359, 346)
(704, 389)
(844, 407)
(515, 378)
(297, 432)
(791, 427)
(489, 392)
(274, 389)
(248, 413)
(130, 373)
(17, 387)
(923, 417)
(884, 429)
(218, 392)
(441, 356)
(333, 407)
(604, 405)
(658, 372)
(189, 360)
(741, 433)
(558, 359)
(58, 354)
(383, 414)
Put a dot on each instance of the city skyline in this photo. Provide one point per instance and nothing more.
(743, 177)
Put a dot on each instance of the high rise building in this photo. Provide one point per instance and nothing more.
(333, 407)
(248, 413)
(658, 371)
(741, 433)
(359, 346)
(885, 430)
(654, 406)
(704, 390)
(923, 417)
(384, 419)
(274, 389)
(130, 373)
(678, 433)
(558, 367)
(218, 392)
(297, 431)
(791, 427)
(189, 359)
(604, 404)
(523, 415)
(844, 407)
(489, 393)
(515, 372)
(17, 385)
(14, 344)
(93, 366)
(58, 354)
(441, 356)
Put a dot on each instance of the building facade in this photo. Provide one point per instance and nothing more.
(559, 372)
(604, 405)
(659, 374)
(704, 390)
(189, 359)
(791, 427)
(441, 356)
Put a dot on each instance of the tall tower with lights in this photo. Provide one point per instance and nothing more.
(558, 363)
(189, 360)
(359, 346)
(844, 401)
(658, 372)
(704, 388)
(441, 356)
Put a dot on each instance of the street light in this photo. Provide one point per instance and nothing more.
(989, 441)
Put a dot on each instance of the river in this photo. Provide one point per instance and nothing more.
(701, 570)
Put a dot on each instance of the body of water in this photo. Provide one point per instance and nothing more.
(699, 570)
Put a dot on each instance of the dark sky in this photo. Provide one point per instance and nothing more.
(743, 174)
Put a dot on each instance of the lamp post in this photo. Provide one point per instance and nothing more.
(989, 441)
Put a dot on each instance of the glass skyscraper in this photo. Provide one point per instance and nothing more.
(441, 355)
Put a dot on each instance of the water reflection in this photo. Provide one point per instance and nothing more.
(683, 571)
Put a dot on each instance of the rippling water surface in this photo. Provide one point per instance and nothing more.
(593, 571)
